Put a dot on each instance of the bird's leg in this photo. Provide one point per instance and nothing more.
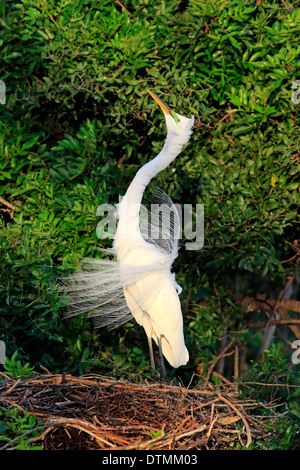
(151, 357)
(162, 362)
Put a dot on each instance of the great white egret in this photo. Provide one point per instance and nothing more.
(139, 282)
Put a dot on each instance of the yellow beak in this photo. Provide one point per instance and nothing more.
(160, 103)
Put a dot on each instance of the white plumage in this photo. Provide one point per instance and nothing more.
(139, 282)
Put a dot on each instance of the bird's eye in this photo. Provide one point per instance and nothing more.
(178, 120)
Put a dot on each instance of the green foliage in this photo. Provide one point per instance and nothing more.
(270, 380)
(157, 436)
(272, 371)
(14, 424)
(78, 123)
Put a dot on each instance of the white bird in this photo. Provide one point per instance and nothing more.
(139, 282)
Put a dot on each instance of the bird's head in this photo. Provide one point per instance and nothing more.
(177, 125)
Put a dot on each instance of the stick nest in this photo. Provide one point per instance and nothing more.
(96, 412)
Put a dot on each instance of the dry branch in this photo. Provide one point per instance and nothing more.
(96, 412)
(263, 303)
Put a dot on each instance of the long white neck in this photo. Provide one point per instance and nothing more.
(129, 208)
(145, 174)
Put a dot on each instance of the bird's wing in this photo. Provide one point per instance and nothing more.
(161, 227)
(97, 290)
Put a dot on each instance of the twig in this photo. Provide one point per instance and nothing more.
(212, 422)
(286, 6)
(237, 411)
(261, 303)
(290, 259)
(269, 385)
(190, 433)
(11, 388)
(123, 7)
(82, 426)
(236, 362)
(223, 379)
(41, 437)
(45, 370)
(209, 372)
(7, 377)
(261, 324)
(187, 300)
(30, 431)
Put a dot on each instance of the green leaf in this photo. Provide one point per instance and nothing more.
(30, 143)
